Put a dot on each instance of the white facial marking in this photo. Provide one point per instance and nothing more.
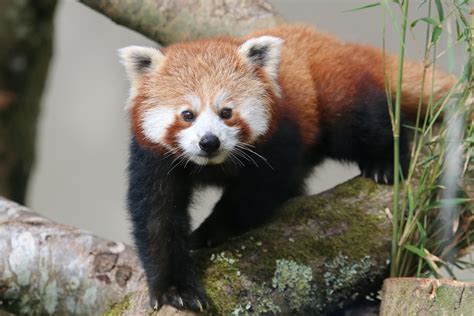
(194, 100)
(155, 123)
(256, 115)
(207, 122)
(219, 101)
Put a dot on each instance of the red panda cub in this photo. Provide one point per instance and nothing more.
(252, 115)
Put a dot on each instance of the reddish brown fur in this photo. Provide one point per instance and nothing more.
(319, 75)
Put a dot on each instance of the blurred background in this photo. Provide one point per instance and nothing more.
(79, 176)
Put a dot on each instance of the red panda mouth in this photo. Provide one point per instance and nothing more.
(210, 155)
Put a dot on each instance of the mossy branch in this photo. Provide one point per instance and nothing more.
(319, 253)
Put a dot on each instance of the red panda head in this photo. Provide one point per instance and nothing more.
(202, 99)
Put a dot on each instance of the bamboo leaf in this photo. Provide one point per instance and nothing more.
(453, 202)
(364, 7)
(436, 34)
(422, 231)
(419, 252)
(439, 6)
(411, 200)
(428, 20)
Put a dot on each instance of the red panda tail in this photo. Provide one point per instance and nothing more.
(413, 88)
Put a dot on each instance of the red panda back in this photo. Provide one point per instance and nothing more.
(322, 77)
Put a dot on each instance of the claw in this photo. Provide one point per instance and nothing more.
(181, 301)
(376, 177)
(200, 305)
(385, 178)
(155, 307)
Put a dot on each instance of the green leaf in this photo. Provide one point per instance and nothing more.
(458, 31)
(364, 7)
(419, 252)
(422, 3)
(453, 202)
(425, 19)
(411, 200)
(439, 6)
(422, 231)
(436, 34)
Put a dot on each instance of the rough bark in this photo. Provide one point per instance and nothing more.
(26, 35)
(427, 297)
(169, 21)
(48, 268)
(319, 253)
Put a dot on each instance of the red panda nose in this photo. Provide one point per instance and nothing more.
(209, 143)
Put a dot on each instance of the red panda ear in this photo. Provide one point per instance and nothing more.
(263, 51)
(140, 60)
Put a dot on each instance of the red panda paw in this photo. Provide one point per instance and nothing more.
(184, 298)
(381, 173)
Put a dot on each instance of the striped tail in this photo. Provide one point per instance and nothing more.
(413, 88)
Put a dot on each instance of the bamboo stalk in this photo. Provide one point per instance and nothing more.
(396, 145)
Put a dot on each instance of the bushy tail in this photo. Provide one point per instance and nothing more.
(412, 86)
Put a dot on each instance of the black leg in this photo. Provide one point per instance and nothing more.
(363, 134)
(158, 204)
(376, 159)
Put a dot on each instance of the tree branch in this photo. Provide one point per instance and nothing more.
(48, 268)
(26, 34)
(319, 253)
(412, 296)
(169, 21)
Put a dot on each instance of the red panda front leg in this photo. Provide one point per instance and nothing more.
(158, 204)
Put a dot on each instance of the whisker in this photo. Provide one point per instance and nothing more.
(235, 160)
(244, 147)
(181, 158)
(245, 156)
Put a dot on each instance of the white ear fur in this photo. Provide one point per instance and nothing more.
(139, 60)
(263, 51)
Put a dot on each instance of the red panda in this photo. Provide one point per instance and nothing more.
(252, 115)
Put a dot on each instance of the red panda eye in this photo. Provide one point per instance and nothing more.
(226, 113)
(188, 116)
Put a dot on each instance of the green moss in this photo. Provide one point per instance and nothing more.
(444, 298)
(223, 281)
(324, 235)
(319, 234)
(118, 309)
(355, 187)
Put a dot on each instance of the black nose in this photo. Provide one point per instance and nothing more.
(209, 143)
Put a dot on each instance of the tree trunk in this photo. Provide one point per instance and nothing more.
(427, 297)
(320, 252)
(26, 34)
